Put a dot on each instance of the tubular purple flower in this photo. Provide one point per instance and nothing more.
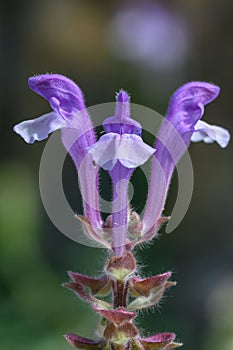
(120, 151)
(181, 125)
(70, 115)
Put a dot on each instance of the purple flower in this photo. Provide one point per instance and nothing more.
(120, 151)
(69, 114)
(181, 125)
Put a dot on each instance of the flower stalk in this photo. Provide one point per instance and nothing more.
(120, 292)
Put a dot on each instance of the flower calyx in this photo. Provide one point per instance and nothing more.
(152, 232)
(99, 286)
(148, 291)
(84, 343)
(163, 341)
(94, 233)
(121, 267)
(120, 334)
(134, 226)
(116, 316)
(85, 287)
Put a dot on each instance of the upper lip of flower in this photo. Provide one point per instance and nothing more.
(64, 96)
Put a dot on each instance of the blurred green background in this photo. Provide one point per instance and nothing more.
(148, 48)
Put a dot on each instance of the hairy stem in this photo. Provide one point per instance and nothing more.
(120, 293)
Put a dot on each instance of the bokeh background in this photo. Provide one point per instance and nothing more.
(149, 48)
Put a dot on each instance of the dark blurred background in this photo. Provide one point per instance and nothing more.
(149, 48)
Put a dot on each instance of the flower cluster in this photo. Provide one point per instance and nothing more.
(120, 150)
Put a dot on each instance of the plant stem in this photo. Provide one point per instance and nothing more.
(120, 293)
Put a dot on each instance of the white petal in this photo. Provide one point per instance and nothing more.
(129, 149)
(38, 129)
(103, 151)
(210, 133)
(132, 151)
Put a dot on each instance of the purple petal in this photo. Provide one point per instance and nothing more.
(120, 176)
(122, 105)
(38, 129)
(187, 104)
(210, 133)
(129, 126)
(64, 96)
(122, 97)
(121, 123)
(130, 150)
(185, 109)
(77, 142)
